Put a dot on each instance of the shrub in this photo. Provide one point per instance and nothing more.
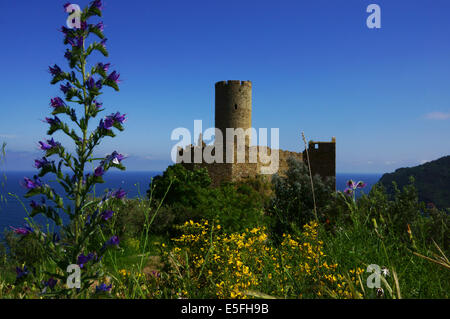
(191, 196)
(292, 205)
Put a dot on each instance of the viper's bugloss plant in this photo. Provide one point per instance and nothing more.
(79, 105)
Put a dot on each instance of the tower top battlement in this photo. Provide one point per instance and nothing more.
(233, 82)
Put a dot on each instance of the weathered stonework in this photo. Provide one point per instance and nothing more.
(234, 110)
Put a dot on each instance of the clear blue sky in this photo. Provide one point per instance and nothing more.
(315, 67)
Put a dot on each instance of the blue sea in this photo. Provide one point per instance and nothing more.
(12, 212)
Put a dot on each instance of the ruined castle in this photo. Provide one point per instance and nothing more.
(234, 158)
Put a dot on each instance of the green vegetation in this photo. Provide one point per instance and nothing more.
(256, 239)
(432, 181)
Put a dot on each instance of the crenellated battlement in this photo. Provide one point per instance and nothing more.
(233, 83)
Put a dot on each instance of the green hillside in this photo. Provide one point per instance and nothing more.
(432, 181)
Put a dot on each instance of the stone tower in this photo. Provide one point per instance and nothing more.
(233, 106)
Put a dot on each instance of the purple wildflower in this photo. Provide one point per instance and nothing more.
(31, 183)
(66, 5)
(22, 272)
(102, 288)
(39, 163)
(57, 102)
(119, 194)
(22, 230)
(118, 117)
(82, 259)
(115, 158)
(103, 43)
(49, 145)
(97, 4)
(99, 84)
(97, 104)
(106, 124)
(76, 42)
(100, 26)
(44, 146)
(348, 191)
(113, 241)
(83, 25)
(90, 83)
(51, 283)
(99, 171)
(114, 77)
(65, 30)
(68, 54)
(35, 205)
(104, 67)
(66, 88)
(107, 214)
(56, 70)
(52, 121)
(351, 184)
(361, 184)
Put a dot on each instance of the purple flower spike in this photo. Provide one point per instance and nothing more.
(56, 70)
(66, 88)
(107, 214)
(102, 288)
(114, 77)
(57, 102)
(99, 171)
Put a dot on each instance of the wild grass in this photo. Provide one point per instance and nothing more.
(203, 258)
